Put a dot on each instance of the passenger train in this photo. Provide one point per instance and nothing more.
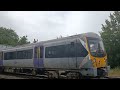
(75, 56)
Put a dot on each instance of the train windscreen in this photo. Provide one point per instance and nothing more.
(96, 47)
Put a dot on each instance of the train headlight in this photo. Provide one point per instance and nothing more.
(104, 59)
(94, 61)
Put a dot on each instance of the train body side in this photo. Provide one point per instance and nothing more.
(65, 54)
(14, 58)
(61, 60)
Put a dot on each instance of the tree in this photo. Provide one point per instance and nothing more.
(10, 37)
(111, 38)
(23, 40)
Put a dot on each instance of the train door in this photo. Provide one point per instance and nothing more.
(72, 59)
(1, 58)
(38, 57)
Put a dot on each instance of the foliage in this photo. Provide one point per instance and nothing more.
(115, 72)
(23, 40)
(10, 37)
(111, 38)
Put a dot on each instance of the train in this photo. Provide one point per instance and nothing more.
(75, 56)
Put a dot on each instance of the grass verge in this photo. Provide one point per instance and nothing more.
(114, 72)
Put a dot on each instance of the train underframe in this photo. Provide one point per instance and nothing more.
(61, 73)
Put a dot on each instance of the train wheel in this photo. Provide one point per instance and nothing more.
(34, 72)
(1, 70)
(69, 75)
(50, 75)
(79, 76)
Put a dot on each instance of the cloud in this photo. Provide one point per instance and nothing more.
(44, 25)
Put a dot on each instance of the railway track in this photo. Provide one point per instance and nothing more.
(113, 77)
(108, 78)
(7, 75)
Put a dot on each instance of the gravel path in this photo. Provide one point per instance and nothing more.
(9, 77)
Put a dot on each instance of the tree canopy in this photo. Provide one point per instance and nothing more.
(111, 38)
(23, 40)
(10, 37)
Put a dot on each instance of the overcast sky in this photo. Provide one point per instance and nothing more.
(45, 25)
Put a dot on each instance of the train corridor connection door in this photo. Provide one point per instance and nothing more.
(38, 57)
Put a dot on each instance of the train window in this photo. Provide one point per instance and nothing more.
(9, 55)
(72, 51)
(60, 51)
(19, 55)
(25, 54)
(50, 52)
(29, 54)
(41, 52)
(1, 56)
(81, 51)
(68, 50)
(72, 43)
(5, 56)
(12, 55)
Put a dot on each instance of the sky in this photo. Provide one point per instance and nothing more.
(46, 25)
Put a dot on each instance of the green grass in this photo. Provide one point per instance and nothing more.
(114, 72)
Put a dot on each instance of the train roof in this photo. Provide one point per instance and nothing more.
(89, 34)
(3, 47)
(18, 48)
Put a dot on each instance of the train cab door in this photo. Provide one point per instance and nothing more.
(38, 57)
(1, 59)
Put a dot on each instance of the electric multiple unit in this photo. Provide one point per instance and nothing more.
(77, 55)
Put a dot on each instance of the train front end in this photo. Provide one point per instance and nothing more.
(97, 55)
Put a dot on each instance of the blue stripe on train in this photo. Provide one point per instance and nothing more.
(38, 63)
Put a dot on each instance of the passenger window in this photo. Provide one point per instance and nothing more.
(1, 56)
(49, 52)
(41, 52)
(72, 43)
